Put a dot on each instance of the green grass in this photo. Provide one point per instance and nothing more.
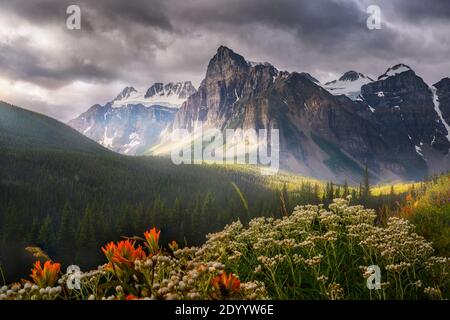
(385, 189)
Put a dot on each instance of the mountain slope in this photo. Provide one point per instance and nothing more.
(321, 135)
(405, 107)
(21, 129)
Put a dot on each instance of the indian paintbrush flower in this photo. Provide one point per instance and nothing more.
(152, 239)
(47, 276)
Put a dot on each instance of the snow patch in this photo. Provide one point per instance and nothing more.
(419, 151)
(167, 97)
(351, 89)
(107, 142)
(88, 129)
(135, 140)
(400, 68)
(439, 113)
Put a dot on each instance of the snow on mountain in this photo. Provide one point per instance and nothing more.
(439, 112)
(133, 121)
(399, 68)
(171, 95)
(349, 84)
(125, 93)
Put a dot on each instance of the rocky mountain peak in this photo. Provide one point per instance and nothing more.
(348, 84)
(443, 84)
(125, 93)
(226, 59)
(352, 76)
(180, 89)
(397, 69)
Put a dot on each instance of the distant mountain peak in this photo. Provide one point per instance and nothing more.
(223, 51)
(394, 70)
(125, 93)
(348, 84)
(178, 90)
(309, 77)
(226, 57)
(353, 76)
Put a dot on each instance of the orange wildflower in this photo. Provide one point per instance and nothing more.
(227, 284)
(173, 246)
(121, 257)
(130, 297)
(47, 276)
(109, 250)
(124, 252)
(152, 238)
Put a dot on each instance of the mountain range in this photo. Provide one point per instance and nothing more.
(396, 125)
(132, 122)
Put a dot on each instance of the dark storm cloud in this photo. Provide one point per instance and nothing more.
(419, 10)
(17, 62)
(140, 41)
(321, 20)
(146, 12)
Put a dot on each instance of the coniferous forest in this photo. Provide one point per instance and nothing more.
(70, 204)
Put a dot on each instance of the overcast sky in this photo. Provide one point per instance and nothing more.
(48, 68)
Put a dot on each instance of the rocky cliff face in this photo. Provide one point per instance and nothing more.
(404, 105)
(322, 135)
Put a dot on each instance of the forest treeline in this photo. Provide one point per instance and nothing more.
(71, 204)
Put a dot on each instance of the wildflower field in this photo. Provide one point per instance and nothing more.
(315, 252)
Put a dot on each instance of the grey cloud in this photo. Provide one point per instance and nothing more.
(138, 42)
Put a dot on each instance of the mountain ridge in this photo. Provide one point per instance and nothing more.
(330, 131)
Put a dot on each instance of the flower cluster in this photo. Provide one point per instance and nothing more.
(321, 248)
(314, 253)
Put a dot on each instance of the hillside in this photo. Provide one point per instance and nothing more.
(21, 129)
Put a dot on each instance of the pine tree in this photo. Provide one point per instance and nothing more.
(45, 237)
(337, 193)
(346, 191)
(34, 233)
(66, 234)
(366, 185)
(285, 200)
